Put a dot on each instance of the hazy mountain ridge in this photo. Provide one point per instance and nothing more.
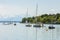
(16, 18)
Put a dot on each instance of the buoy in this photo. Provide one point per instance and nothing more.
(46, 29)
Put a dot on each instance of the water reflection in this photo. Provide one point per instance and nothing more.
(20, 32)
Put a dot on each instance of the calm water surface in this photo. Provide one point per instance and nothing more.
(21, 32)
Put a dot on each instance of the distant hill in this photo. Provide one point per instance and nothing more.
(16, 18)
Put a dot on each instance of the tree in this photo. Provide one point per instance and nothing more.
(24, 20)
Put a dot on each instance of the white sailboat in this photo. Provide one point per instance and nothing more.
(27, 23)
(37, 24)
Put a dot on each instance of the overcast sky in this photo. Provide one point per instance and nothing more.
(11, 8)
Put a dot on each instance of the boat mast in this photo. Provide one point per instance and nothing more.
(36, 12)
(36, 9)
(27, 15)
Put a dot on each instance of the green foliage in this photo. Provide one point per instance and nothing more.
(24, 20)
(46, 18)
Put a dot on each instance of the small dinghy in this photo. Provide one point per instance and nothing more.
(15, 24)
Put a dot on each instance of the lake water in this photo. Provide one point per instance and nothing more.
(21, 32)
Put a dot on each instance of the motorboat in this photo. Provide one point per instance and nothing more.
(51, 27)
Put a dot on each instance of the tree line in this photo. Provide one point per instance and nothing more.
(45, 18)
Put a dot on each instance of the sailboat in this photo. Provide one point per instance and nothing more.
(27, 23)
(37, 24)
